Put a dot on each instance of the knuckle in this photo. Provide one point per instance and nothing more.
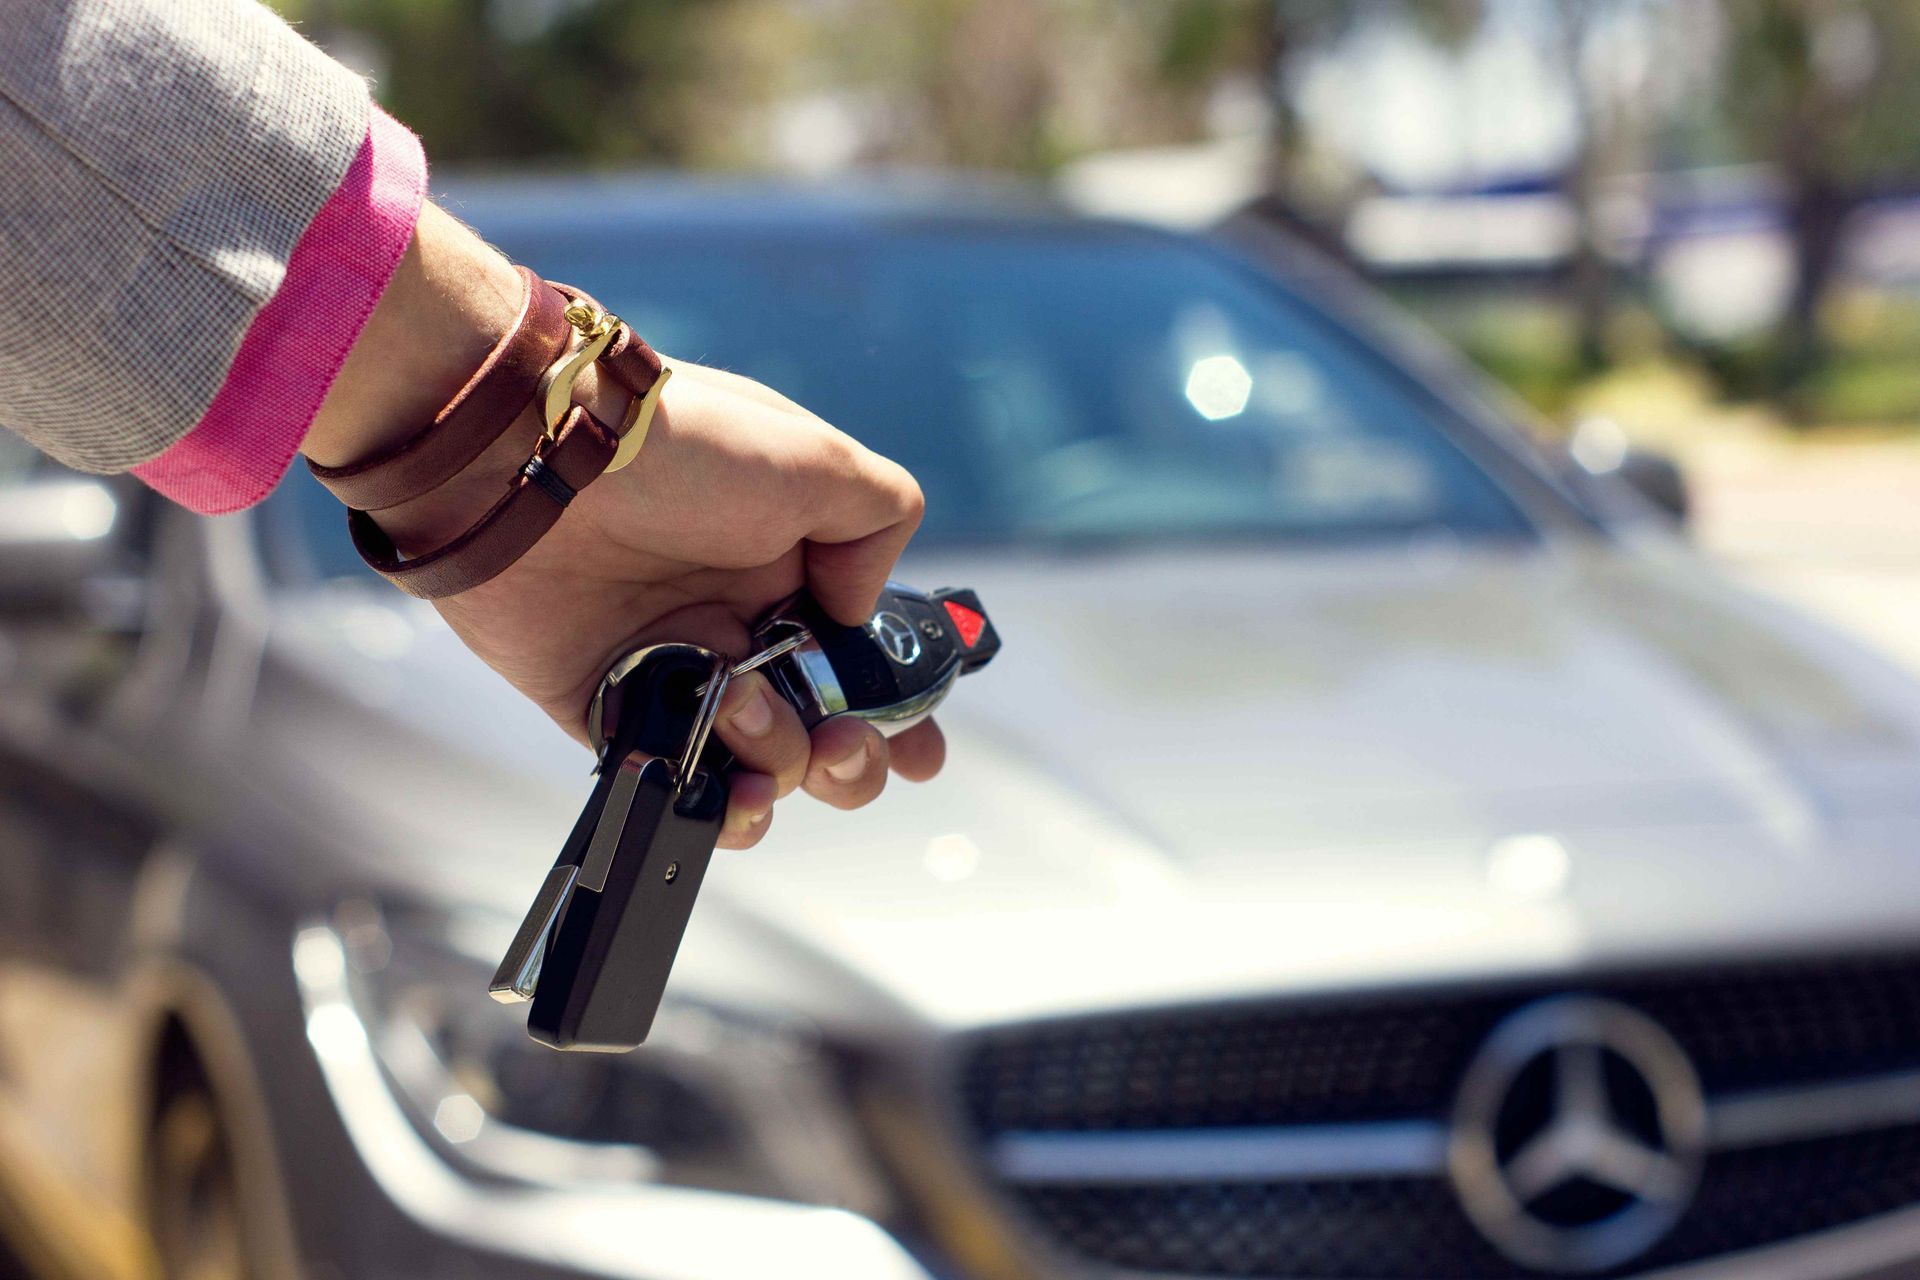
(913, 501)
(839, 454)
(904, 497)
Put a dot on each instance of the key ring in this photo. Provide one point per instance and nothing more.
(780, 649)
(597, 723)
(714, 689)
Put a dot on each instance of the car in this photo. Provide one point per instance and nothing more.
(1378, 852)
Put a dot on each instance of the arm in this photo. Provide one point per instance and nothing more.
(214, 253)
(162, 158)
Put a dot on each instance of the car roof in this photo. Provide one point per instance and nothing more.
(503, 205)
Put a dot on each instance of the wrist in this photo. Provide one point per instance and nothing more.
(449, 302)
(437, 517)
(458, 344)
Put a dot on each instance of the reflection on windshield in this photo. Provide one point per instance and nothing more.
(1219, 387)
(1064, 385)
(1058, 385)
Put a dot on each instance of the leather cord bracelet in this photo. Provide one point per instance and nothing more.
(472, 420)
(560, 331)
(532, 504)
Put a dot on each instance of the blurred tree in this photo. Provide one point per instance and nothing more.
(1295, 29)
(1608, 96)
(1828, 90)
(656, 81)
(986, 82)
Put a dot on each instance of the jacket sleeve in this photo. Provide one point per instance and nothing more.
(161, 160)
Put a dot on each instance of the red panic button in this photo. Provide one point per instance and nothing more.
(968, 622)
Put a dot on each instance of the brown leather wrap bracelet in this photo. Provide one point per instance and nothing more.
(499, 389)
(559, 331)
(532, 505)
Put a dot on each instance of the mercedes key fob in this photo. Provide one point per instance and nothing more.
(894, 670)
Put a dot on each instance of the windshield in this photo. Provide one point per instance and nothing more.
(1059, 385)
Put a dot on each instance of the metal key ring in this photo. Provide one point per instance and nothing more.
(703, 720)
(779, 649)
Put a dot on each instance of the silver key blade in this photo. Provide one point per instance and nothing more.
(519, 972)
(598, 858)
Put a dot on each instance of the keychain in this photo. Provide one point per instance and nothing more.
(595, 950)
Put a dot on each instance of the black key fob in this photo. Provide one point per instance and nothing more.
(608, 959)
(893, 671)
(594, 952)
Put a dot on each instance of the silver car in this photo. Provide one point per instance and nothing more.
(1379, 851)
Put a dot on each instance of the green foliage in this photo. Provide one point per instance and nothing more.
(1198, 38)
(1826, 92)
(1526, 342)
(1840, 80)
(620, 81)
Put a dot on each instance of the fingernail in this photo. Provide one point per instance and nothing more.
(852, 767)
(756, 718)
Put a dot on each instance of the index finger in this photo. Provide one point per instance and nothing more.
(852, 551)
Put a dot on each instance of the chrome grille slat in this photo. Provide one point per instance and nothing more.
(1276, 1154)
(1402, 1148)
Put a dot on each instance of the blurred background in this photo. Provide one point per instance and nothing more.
(1699, 219)
(1509, 893)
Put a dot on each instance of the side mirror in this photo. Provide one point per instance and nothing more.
(60, 535)
(1602, 463)
(1659, 480)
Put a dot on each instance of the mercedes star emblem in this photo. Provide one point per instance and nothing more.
(897, 636)
(1578, 1135)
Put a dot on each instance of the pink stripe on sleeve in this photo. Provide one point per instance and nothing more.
(294, 349)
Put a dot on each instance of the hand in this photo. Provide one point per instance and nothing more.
(738, 499)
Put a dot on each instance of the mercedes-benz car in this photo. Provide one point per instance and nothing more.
(1380, 851)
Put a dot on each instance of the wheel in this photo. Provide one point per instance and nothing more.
(193, 1204)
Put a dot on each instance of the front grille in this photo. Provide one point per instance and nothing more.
(1400, 1057)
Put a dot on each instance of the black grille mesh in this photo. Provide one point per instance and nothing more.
(1369, 1230)
(1382, 1228)
(1751, 1198)
(1400, 1056)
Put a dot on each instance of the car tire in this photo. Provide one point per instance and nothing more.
(193, 1203)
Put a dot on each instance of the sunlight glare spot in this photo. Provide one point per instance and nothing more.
(1218, 387)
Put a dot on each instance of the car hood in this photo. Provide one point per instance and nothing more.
(1196, 775)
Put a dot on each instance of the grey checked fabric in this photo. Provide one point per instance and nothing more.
(158, 161)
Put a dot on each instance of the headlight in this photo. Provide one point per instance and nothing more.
(715, 1099)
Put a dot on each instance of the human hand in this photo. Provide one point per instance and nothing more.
(738, 499)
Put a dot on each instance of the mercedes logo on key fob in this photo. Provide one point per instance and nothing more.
(897, 637)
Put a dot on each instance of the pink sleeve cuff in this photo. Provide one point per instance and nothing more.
(294, 349)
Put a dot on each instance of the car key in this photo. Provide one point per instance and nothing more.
(618, 898)
(596, 948)
(892, 672)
